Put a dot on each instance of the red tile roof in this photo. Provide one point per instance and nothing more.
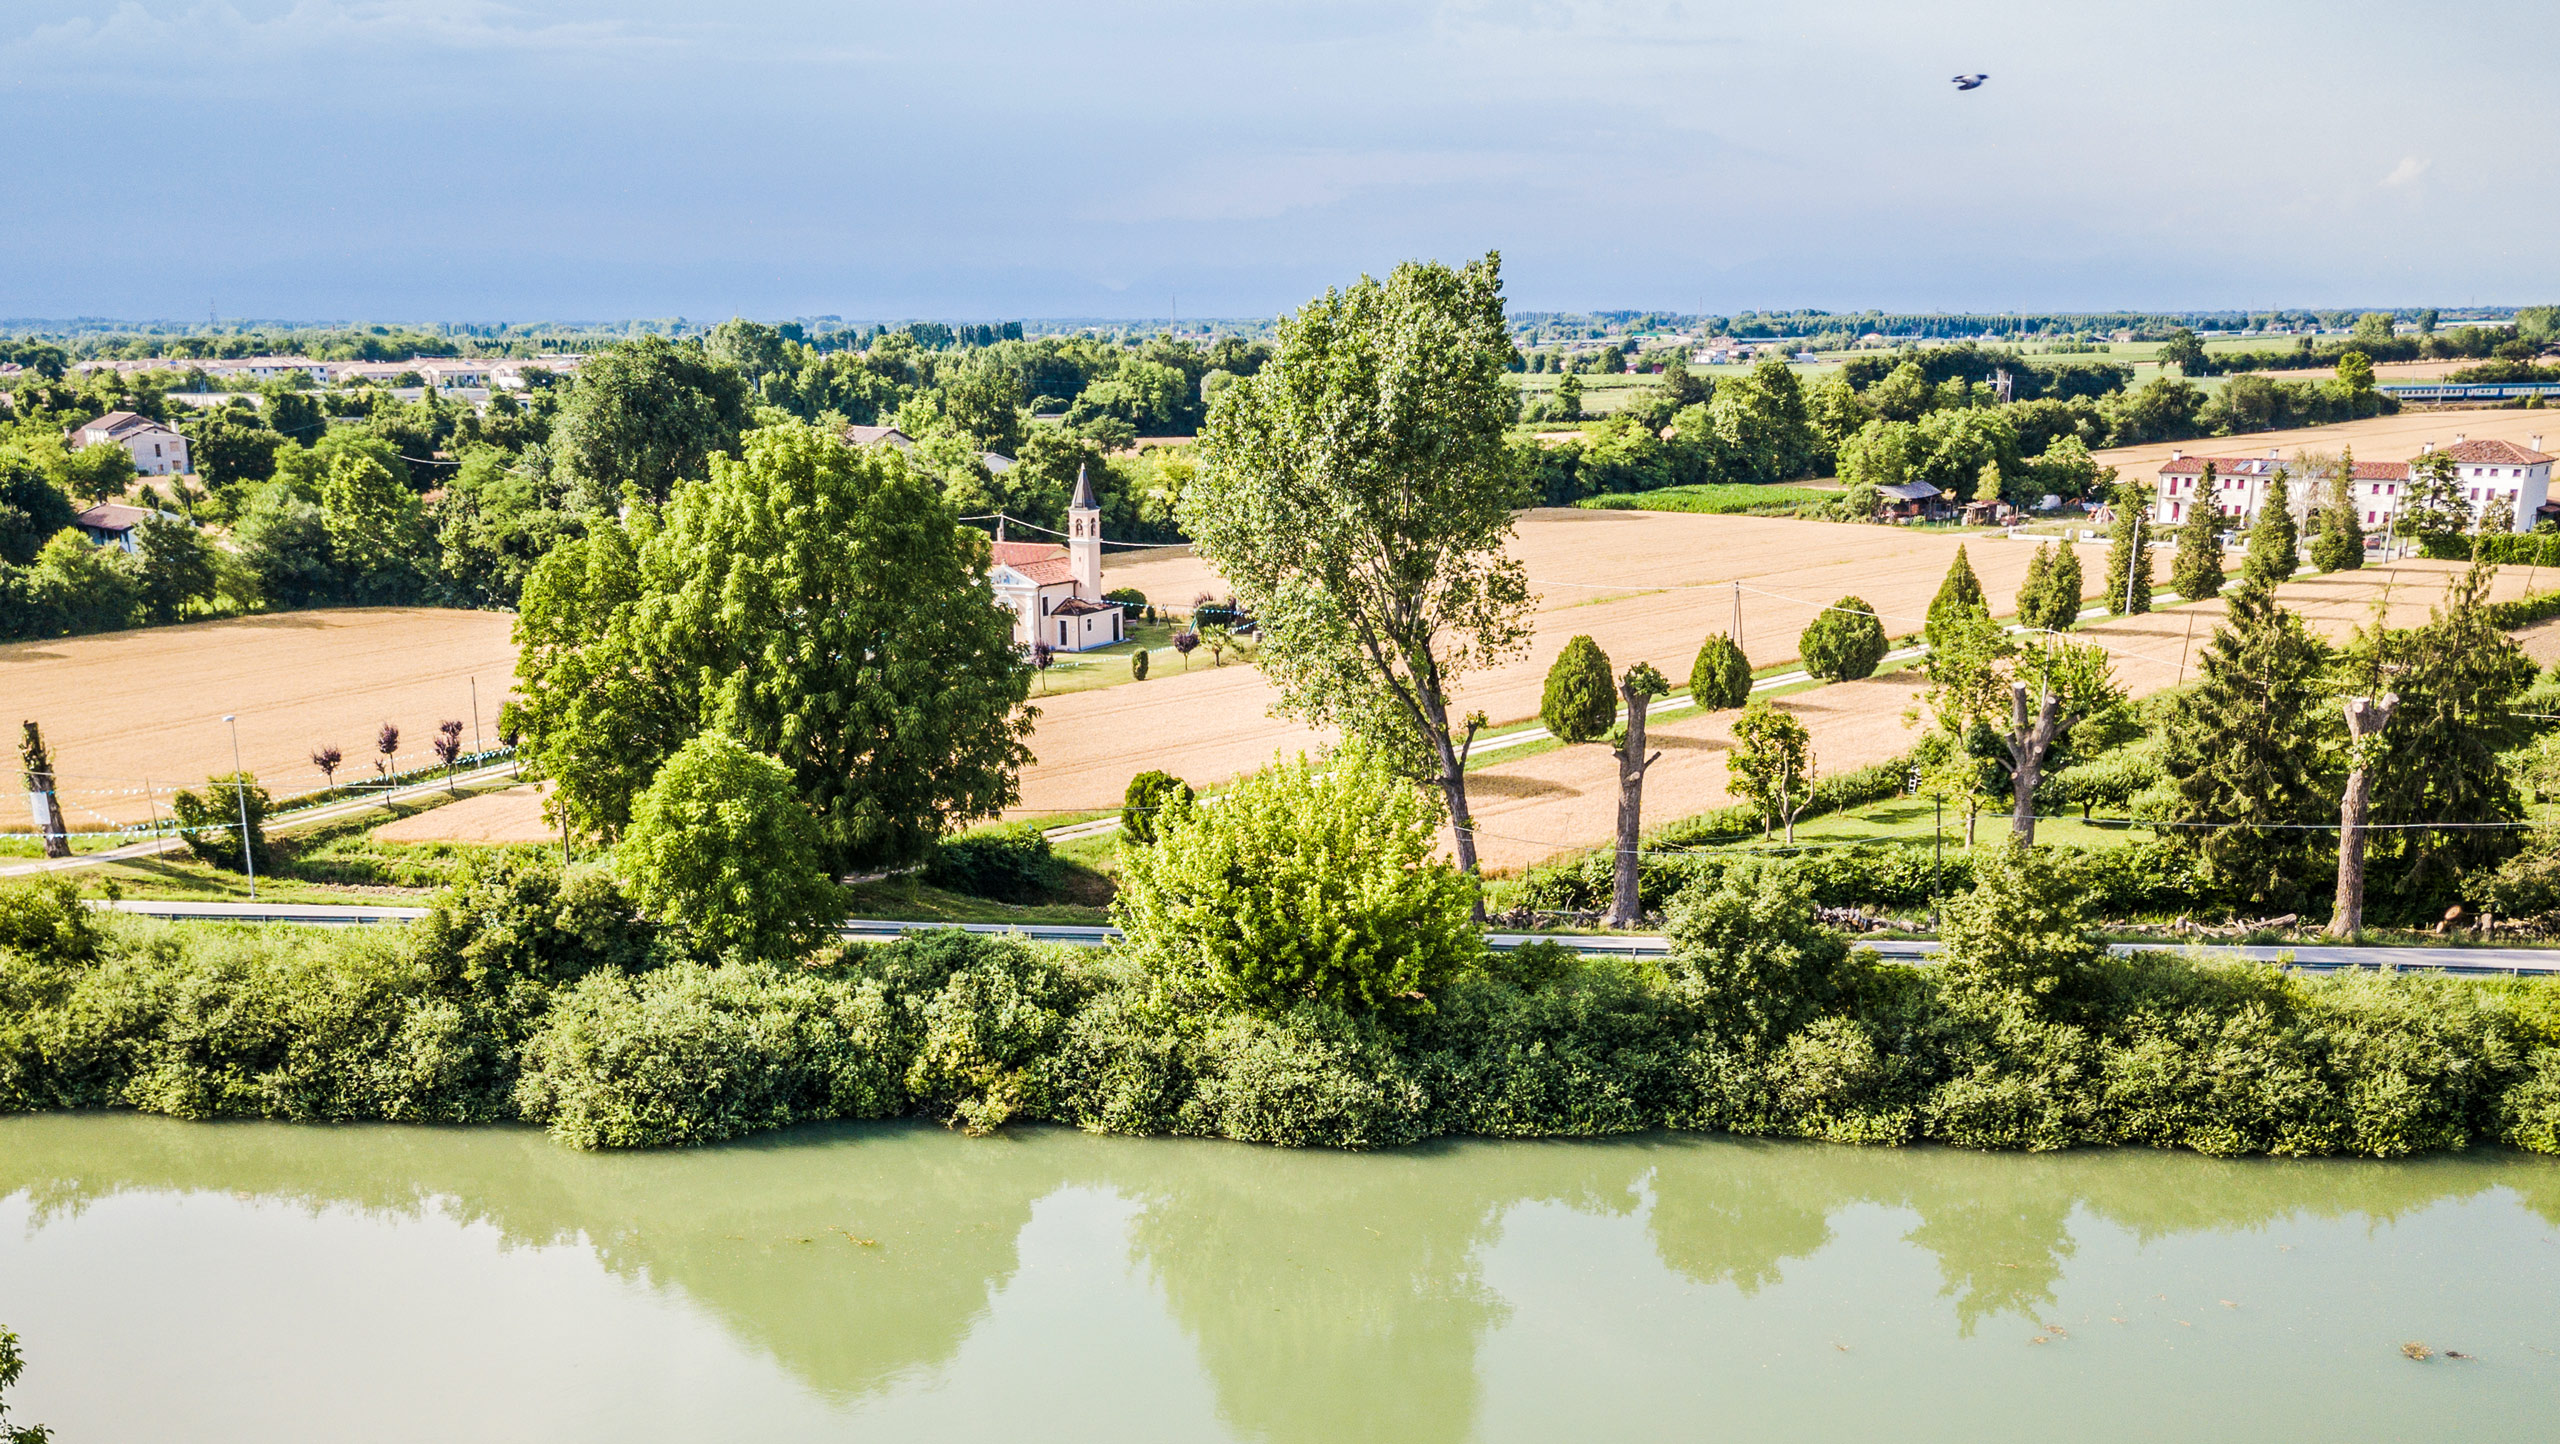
(2225, 466)
(1022, 554)
(2495, 453)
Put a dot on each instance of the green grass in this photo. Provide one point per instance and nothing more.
(906, 899)
(336, 861)
(1914, 819)
(1721, 499)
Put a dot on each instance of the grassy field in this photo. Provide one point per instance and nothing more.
(130, 715)
(1721, 499)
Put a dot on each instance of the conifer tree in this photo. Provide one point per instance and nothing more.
(2273, 557)
(2456, 677)
(2338, 546)
(1721, 676)
(2196, 574)
(1581, 699)
(2030, 602)
(1959, 594)
(2247, 750)
(2062, 589)
(2129, 551)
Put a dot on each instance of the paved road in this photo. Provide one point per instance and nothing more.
(327, 812)
(2306, 957)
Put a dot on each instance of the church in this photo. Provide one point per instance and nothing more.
(1055, 592)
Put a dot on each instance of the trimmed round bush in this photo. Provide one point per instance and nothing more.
(1581, 701)
(1150, 794)
(1845, 643)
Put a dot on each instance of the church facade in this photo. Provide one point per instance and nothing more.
(1055, 592)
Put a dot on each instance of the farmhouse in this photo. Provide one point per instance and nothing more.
(2490, 473)
(111, 524)
(1909, 500)
(1055, 592)
(156, 450)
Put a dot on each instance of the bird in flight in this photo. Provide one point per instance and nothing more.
(1970, 82)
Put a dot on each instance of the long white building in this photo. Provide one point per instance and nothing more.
(2490, 473)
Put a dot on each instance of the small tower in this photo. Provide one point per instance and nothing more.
(1084, 539)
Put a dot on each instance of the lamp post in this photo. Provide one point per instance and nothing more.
(240, 789)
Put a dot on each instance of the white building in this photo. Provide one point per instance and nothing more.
(1055, 591)
(2490, 473)
(156, 450)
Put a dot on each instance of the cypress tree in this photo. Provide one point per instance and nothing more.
(1721, 677)
(1581, 698)
(2129, 551)
(2196, 574)
(2457, 675)
(2030, 603)
(2247, 746)
(2272, 556)
(1960, 593)
(1844, 643)
(2062, 588)
(2338, 546)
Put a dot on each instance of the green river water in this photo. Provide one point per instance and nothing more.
(270, 1283)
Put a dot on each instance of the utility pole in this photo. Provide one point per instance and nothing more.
(475, 717)
(2132, 563)
(240, 789)
(1737, 614)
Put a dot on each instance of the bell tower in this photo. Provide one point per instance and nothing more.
(1084, 539)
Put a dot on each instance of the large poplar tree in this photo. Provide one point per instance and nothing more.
(1357, 492)
(2337, 543)
(2273, 555)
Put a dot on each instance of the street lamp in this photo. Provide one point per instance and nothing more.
(240, 788)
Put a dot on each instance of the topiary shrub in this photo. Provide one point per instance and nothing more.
(1150, 794)
(1138, 664)
(1011, 863)
(722, 848)
(1315, 881)
(1581, 701)
(1721, 677)
(209, 822)
(1844, 643)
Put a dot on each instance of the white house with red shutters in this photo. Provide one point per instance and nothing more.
(156, 449)
(1055, 591)
(2500, 474)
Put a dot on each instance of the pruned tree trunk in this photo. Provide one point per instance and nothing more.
(41, 792)
(2366, 717)
(1453, 785)
(2028, 743)
(1626, 907)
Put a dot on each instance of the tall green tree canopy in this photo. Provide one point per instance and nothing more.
(815, 602)
(1844, 642)
(644, 416)
(2129, 551)
(1357, 492)
(2273, 557)
(2457, 677)
(1581, 700)
(2248, 749)
(722, 848)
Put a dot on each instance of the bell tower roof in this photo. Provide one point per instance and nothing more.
(1084, 493)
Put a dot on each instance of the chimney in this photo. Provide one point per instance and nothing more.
(2534, 442)
(2459, 438)
(2176, 455)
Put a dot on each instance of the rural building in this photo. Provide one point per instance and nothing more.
(156, 450)
(111, 524)
(445, 375)
(879, 436)
(1909, 500)
(2490, 473)
(1055, 592)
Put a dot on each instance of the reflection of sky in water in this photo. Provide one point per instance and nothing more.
(266, 1282)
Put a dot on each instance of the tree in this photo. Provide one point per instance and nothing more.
(176, 566)
(1151, 794)
(2049, 601)
(1311, 882)
(2196, 573)
(13, 1364)
(817, 603)
(2355, 371)
(2026, 696)
(328, 758)
(1639, 687)
(2129, 551)
(2021, 933)
(2457, 678)
(2246, 751)
(1580, 702)
(448, 749)
(1772, 764)
(2272, 558)
(1986, 482)
(1358, 492)
(2338, 543)
(1959, 596)
(1844, 643)
(1761, 428)
(643, 416)
(1568, 399)
(76, 587)
(1217, 639)
(2368, 719)
(1721, 676)
(1183, 642)
(229, 445)
(387, 743)
(1138, 665)
(2436, 515)
(210, 821)
(32, 510)
(723, 848)
(375, 525)
(36, 766)
(2185, 352)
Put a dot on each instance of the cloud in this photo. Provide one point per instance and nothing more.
(2409, 169)
(226, 30)
(1261, 188)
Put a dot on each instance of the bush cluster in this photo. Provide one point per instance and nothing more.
(542, 997)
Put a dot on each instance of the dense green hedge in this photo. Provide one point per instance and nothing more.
(2145, 879)
(527, 997)
(2539, 549)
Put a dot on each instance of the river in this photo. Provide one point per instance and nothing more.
(266, 1282)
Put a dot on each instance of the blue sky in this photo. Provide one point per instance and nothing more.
(575, 159)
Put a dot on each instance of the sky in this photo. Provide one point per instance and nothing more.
(472, 160)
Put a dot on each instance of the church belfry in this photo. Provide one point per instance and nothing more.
(1084, 538)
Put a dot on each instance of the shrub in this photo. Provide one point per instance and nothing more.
(1581, 699)
(1138, 664)
(1749, 954)
(987, 1033)
(1310, 881)
(1011, 863)
(1131, 600)
(1844, 643)
(722, 847)
(43, 919)
(2022, 931)
(209, 821)
(1151, 793)
(1721, 677)
(515, 925)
